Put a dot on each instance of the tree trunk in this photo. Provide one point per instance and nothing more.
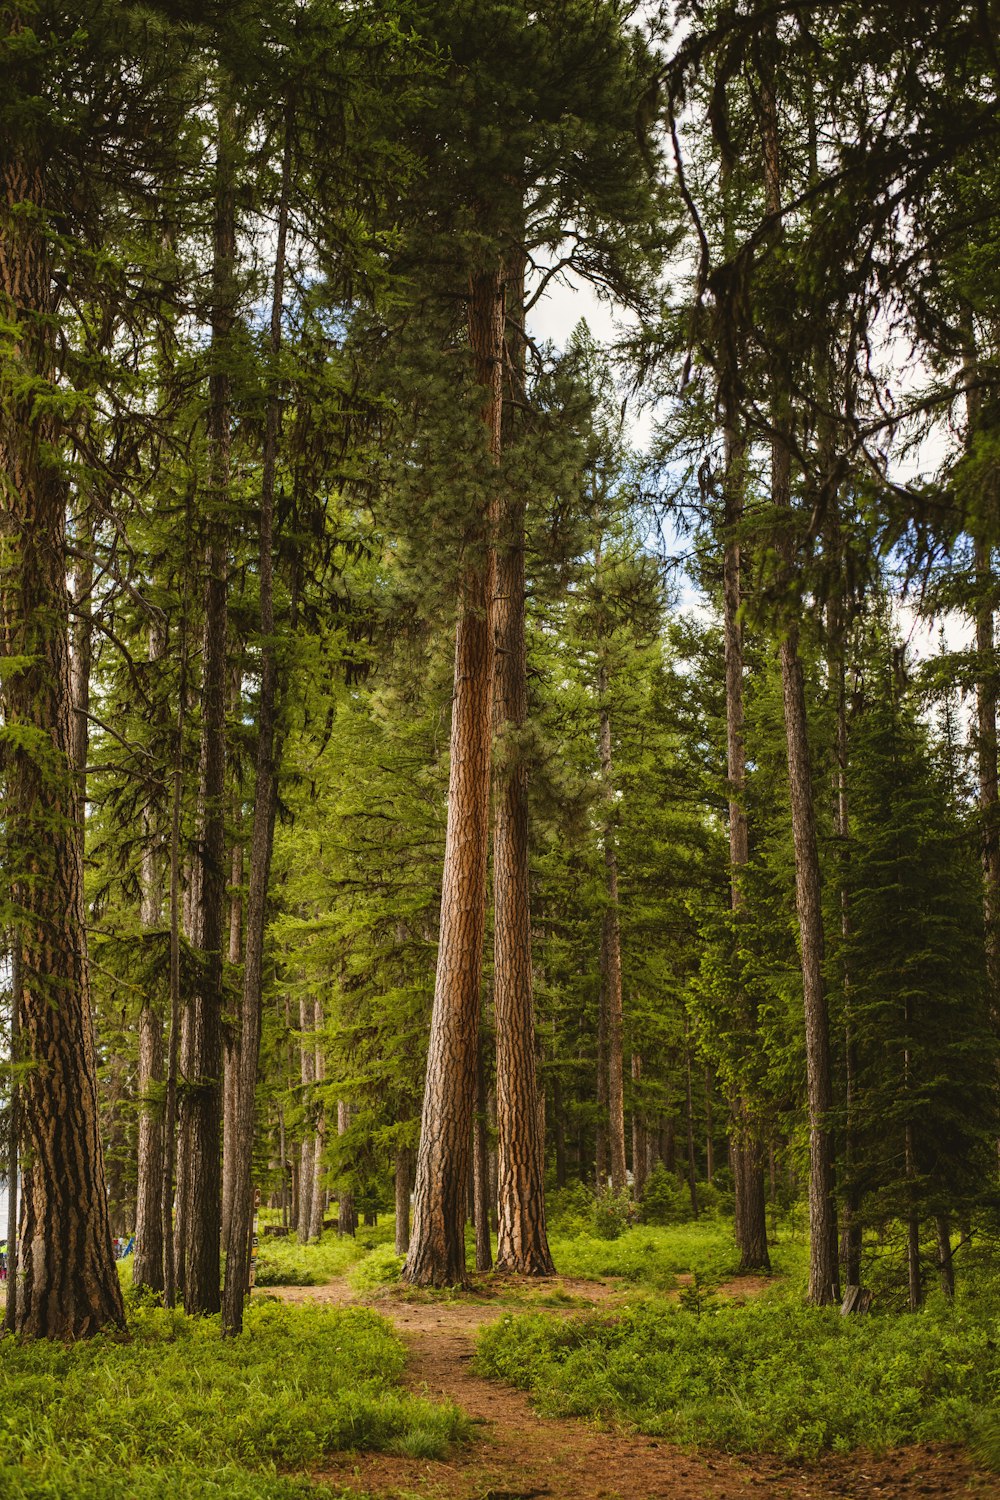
(481, 1170)
(13, 1138)
(201, 1102)
(823, 1264)
(319, 1140)
(307, 1173)
(231, 1036)
(601, 1150)
(709, 1137)
(946, 1264)
(403, 1174)
(69, 1286)
(173, 1045)
(611, 949)
(437, 1248)
(522, 1245)
(691, 1172)
(347, 1219)
(638, 1136)
(147, 1265)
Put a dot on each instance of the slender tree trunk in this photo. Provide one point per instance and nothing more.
(522, 1245)
(69, 1287)
(638, 1135)
(173, 1045)
(319, 1141)
(201, 1102)
(147, 1265)
(347, 1218)
(823, 1261)
(403, 1177)
(750, 1222)
(307, 1174)
(691, 1173)
(611, 948)
(231, 1033)
(437, 1248)
(601, 1149)
(13, 1139)
(709, 1130)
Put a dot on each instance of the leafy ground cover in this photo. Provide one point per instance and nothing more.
(769, 1376)
(179, 1411)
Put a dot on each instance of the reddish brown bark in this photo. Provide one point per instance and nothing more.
(69, 1286)
(437, 1249)
(522, 1244)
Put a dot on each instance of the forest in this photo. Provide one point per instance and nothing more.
(499, 798)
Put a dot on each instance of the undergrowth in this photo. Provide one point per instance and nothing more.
(179, 1411)
(770, 1376)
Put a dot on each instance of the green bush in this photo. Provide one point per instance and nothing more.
(665, 1199)
(612, 1214)
(769, 1376)
(180, 1411)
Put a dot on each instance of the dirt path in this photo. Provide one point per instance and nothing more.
(522, 1456)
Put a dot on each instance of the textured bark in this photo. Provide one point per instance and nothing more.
(481, 1170)
(262, 835)
(173, 1045)
(437, 1248)
(13, 1137)
(147, 1265)
(231, 1037)
(823, 1267)
(522, 1244)
(946, 1264)
(750, 1222)
(404, 1158)
(201, 1103)
(69, 1286)
(601, 1153)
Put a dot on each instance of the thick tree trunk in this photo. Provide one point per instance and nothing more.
(69, 1286)
(522, 1245)
(437, 1248)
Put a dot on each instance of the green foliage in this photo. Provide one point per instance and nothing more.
(764, 1377)
(378, 1269)
(653, 1257)
(284, 1262)
(613, 1213)
(665, 1199)
(178, 1410)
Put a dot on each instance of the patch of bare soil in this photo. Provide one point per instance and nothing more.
(523, 1456)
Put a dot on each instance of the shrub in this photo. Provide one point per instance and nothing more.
(181, 1411)
(665, 1199)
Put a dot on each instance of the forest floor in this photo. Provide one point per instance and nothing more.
(523, 1456)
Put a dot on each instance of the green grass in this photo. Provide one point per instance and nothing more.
(770, 1376)
(284, 1262)
(178, 1411)
(653, 1257)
